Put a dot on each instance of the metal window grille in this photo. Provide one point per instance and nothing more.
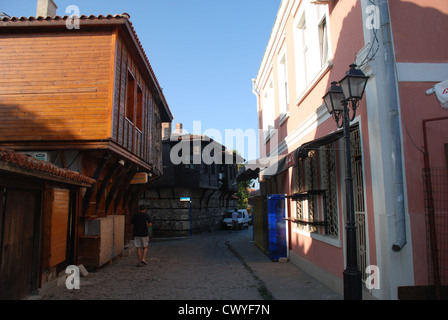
(306, 180)
(300, 188)
(328, 169)
(311, 184)
(360, 212)
(436, 209)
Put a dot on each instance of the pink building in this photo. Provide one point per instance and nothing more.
(400, 45)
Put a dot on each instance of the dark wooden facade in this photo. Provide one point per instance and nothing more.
(210, 186)
(37, 233)
(89, 100)
(193, 171)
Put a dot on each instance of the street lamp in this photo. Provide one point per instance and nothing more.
(340, 98)
(334, 101)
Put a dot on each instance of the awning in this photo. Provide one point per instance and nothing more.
(251, 169)
(268, 167)
(301, 152)
(277, 168)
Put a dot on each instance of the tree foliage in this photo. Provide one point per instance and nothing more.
(243, 194)
(243, 189)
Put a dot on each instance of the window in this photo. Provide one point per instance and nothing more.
(307, 207)
(358, 195)
(323, 42)
(315, 179)
(130, 97)
(302, 54)
(328, 183)
(311, 45)
(139, 115)
(283, 86)
(268, 110)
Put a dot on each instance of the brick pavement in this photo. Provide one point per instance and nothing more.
(210, 266)
(197, 268)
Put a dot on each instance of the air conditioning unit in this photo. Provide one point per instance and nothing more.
(39, 155)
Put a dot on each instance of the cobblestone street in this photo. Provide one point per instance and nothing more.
(200, 268)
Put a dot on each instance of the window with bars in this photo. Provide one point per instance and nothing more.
(315, 180)
(359, 204)
(329, 183)
(307, 207)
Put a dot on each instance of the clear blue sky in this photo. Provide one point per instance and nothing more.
(204, 52)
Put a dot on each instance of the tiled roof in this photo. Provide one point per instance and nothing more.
(10, 21)
(31, 164)
(57, 18)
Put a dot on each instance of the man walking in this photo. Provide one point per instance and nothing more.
(140, 221)
(234, 220)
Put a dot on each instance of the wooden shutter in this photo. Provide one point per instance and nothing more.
(55, 226)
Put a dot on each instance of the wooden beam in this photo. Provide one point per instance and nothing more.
(208, 199)
(117, 183)
(202, 197)
(89, 192)
(125, 186)
(104, 183)
(61, 154)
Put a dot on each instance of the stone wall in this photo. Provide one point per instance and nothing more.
(171, 217)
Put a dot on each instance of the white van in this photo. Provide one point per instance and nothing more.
(243, 219)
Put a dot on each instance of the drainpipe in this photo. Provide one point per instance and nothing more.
(255, 92)
(391, 95)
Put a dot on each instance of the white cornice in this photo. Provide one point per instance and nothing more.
(302, 130)
(275, 40)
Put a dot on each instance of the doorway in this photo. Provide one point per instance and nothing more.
(19, 241)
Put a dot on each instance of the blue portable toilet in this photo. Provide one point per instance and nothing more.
(277, 227)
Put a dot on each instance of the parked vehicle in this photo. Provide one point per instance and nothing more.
(243, 219)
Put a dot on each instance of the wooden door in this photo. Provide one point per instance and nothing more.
(18, 243)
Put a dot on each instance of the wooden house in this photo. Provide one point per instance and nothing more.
(85, 99)
(195, 167)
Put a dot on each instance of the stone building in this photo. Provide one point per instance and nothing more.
(194, 167)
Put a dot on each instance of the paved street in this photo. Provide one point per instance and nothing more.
(200, 268)
(211, 266)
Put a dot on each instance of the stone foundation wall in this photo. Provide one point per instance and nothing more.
(171, 217)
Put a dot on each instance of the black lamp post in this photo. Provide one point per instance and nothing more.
(339, 99)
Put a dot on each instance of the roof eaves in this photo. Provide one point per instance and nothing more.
(9, 159)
